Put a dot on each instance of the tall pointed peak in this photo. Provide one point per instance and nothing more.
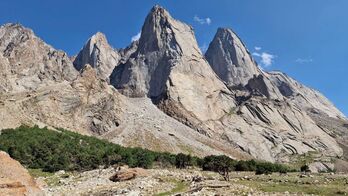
(160, 11)
(98, 37)
(99, 54)
(224, 30)
(229, 35)
(230, 59)
(162, 32)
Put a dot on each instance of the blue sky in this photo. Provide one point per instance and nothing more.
(307, 39)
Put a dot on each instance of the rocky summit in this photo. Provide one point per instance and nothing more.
(230, 59)
(99, 54)
(163, 94)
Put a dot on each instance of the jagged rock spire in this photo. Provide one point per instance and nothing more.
(99, 54)
(168, 65)
(230, 59)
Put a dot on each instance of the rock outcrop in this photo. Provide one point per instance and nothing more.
(99, 54)
(303, 96)
(230, 59)
(28, 63)
(128, 174)
(15, 179)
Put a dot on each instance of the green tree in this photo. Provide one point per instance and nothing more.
(221, 164)
(305, 168)
(183, 161)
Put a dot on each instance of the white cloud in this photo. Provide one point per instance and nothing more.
(208, 20)
(202, 20)
(257, 48)
(204, 48)
(136, 37)
(266, 58)
(304, 60)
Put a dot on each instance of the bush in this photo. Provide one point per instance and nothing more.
(268, 168)
(224, 165)
(182, 161)
(249, 165)
(221, 164)
(165, 160)
(305, 168)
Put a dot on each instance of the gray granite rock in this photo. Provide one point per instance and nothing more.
(28, 63)
(230, 59)
(99, 54)
(169, 68)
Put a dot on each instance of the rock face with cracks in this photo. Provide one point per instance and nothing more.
(230, 59)
(99, 54)
(169, 68)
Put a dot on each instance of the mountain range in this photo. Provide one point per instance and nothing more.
(164, 94)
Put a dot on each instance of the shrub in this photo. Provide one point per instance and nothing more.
(249, 165)
(221, 164)
(165, 160)
(305, 168)
(183, 161)
(268, 168)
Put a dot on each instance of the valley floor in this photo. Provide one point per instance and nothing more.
(192, 182)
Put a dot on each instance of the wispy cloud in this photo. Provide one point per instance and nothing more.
(257, 48)
(204, 48)
(136, 37)
(202, 20)
(304, 60)
(266, 58)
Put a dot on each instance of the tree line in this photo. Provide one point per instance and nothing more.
(54, 150)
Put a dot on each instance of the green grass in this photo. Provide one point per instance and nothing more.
(50, 178)
(39, 173)
(304, 159)
(179, 187)
(293, 184)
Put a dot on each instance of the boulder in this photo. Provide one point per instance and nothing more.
(128, 174)
(15, 179)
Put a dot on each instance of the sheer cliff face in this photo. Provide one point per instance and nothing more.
(274, 101)
(168, 66)
(232, 62)
(99, 54)
(27, 62)
(230, 59)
